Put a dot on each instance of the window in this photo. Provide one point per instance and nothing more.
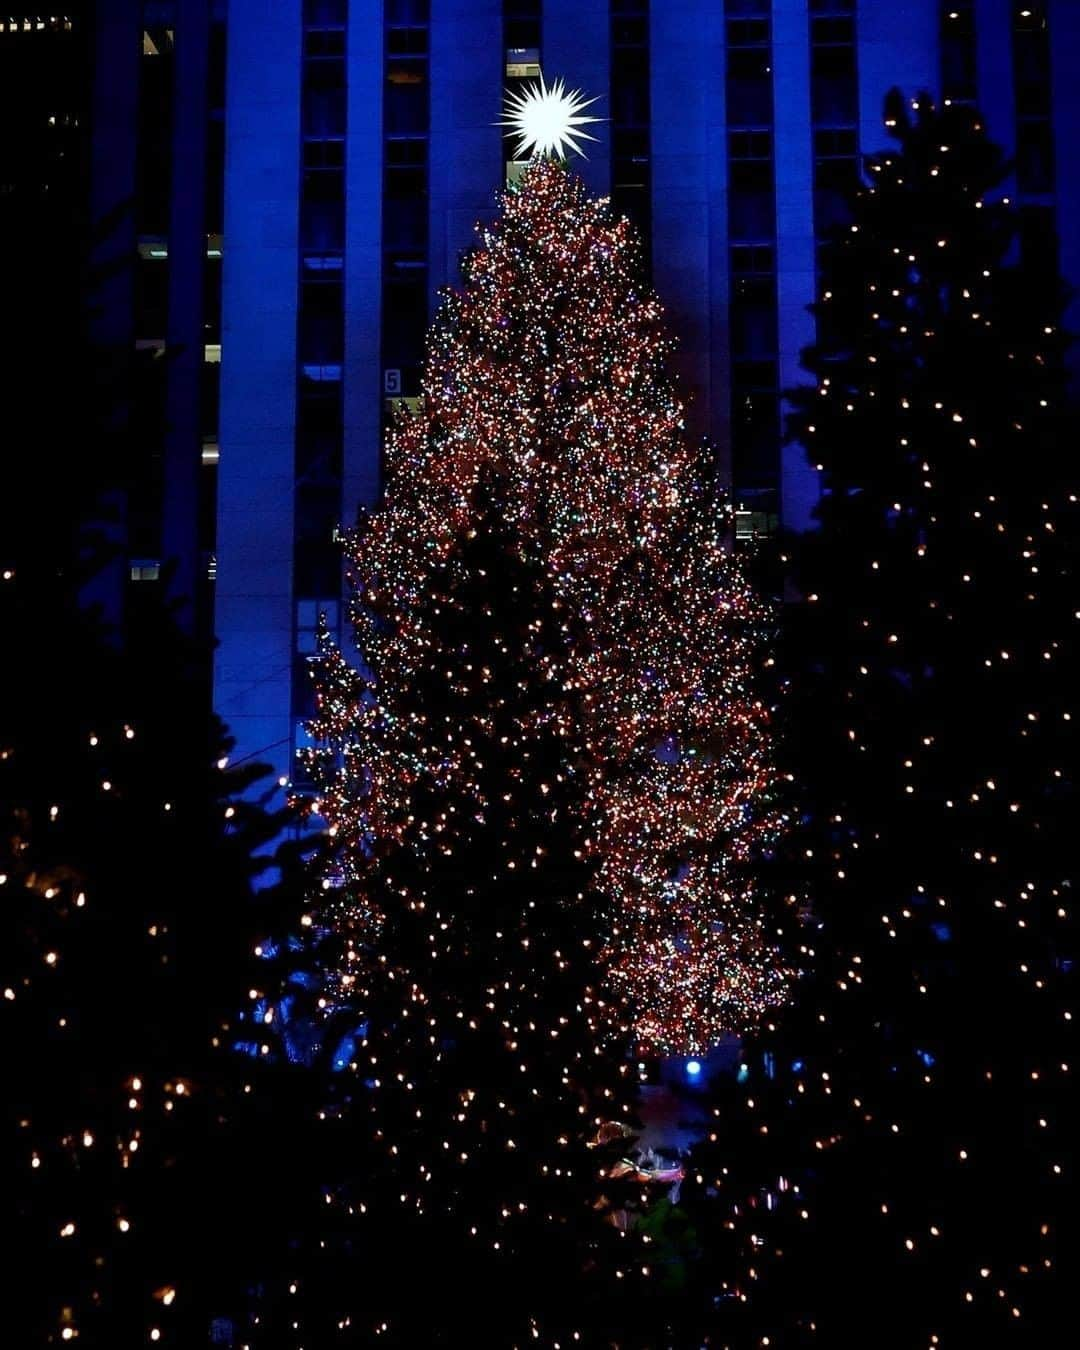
(833, 90)
(145, 569)
(317, 556)
(835, 143)
(753, 258)
(1034, 157)
(522, 63)
(750, 144)
(751, 213)
(324, 99)
(325, 13)
(521, 25)
(405, 170)
(835, 183)
(748, 32)
(321, 334)
(753, 318)
(755, 429)
(749, 87)
(1031, 61)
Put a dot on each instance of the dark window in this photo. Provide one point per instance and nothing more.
(322, 211)
(832, 32)
(406, 168)
(405, 12)
(406, 42)
(1034, 157)
(835, 143)
(833, 88)
(835, 183)
(749, 87)
(748, 32)
(324, 99)
(324, 154)
(325, 13)
(755, 434)
(321, 335)
(325, 42)
(750, 144)
(753, 259)
(751, 201)
(1031, 61)
(521, 23)
(753, 318)
(404, 316)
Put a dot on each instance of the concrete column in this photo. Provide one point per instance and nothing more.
(898, 46)
(467, 77)
(795, 270)
(577, 48)
(689, 175)
(258, 395)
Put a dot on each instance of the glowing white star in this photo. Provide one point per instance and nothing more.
(547, 119)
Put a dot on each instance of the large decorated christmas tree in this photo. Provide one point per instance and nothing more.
(544, 777)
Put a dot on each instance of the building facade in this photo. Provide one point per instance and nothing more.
(361, 147)
(115, 113)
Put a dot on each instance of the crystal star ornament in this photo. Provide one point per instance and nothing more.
(548, 120)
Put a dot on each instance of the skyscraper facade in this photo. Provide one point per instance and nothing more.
(362, 145)
(111, 186)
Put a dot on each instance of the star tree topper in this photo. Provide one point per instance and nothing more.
(548, 120)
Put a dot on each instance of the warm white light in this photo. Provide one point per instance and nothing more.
(548, 120)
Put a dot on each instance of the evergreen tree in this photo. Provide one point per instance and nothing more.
(139, 1148)
(903, 1175)
(542, 787)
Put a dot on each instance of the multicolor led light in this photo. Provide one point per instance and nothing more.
(548, 370)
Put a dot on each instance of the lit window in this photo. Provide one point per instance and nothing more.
(145, 569)
(522, 63)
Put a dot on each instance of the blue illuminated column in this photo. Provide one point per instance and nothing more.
(800, 487)
(689, 174)
(898, 47)
(258, 391)
(363, 261)
(1065, 92)
(577, 47)
(466, 165)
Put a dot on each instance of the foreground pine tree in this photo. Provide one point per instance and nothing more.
(543, 787)
(137, 1145)
(904, 1176)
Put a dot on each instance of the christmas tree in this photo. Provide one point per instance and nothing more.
(138, 1146)
(544, 782)
(897, 1165)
